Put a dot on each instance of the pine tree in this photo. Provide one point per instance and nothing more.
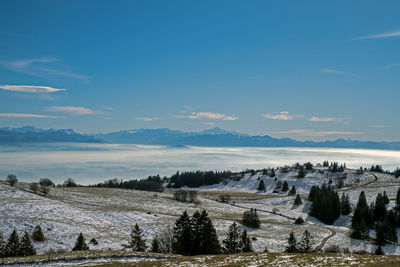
(297, 201)
(80, 243)
(285, 186)
(25, 247)
(231, 244)
(12, 246)
(210, 243)
(245, 242)
(155, 245)
(301, 173)
(250, 218)
(379, 251)
(292, 191)
(261, 186)
(385, 198)
(306, 242)
(37, 234)
(345, 207)
(361, 219)
(137, 242)
(292, 244)
(380, 208)
(2, 246)
(272, 174)
(182, 235)
(398, 199)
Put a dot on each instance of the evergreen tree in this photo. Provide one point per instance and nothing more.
(385, 198)
(326, 205)
(398, 199)
(80, 243)
(380, 208)
(182, 235)
(26, 248)
(297, 201)
(301, 173)
(292, 191)
(345, 207)
(231, 244)
(12, 246)
(314, 192)
(292, 244)
(210, 243)
(246, 242)
(361, 219)
(155, 245)
(306, 242)
(261, 186)
(137, 242)
(2, 246)
(379, 251)
(299, 220)
(309, 166)
(37, 234)
(250, 218)
(272, 174)
(285, 186)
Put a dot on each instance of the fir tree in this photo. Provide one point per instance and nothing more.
(379, 251)
(250, 218)
(272, 174)
(345, 207)
(299, 220)
(385, 198)
(245, 242)
(155, 245)
(380, 208)
(261, 186)
(292, 191)
(37, 234)
(12, 246)
(25, 247)
(285, 186)
(137, 242)
(326, 205)
(297, 201)
(306, 242)
(80, 243)
(182, 235)
(301, 173)
(361, 219)
(210, 243)
(231, 244)
(292, 244)
(398, 199)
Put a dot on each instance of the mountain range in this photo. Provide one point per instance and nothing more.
(168, 137)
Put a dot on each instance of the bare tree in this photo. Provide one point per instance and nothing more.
(192, 196)
(166, 238)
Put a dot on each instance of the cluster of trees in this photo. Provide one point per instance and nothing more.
(304, 246)
(250, 218)
(325, 203)
(186, 196)
(334, 167)
(152, 183)
(376, 216)
(16, 246)
(396, 173)
(377, 168)
(197, 178)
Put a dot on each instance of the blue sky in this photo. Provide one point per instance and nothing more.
(310, 70)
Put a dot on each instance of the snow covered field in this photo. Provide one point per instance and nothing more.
(109, 214)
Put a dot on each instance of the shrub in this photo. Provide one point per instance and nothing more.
(299, 220)
(250, 218)
(12, 179)
(37, 234)
(46, 182)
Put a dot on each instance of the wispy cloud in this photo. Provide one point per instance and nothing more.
(380, 35)
(149, 119)
(283, 115)
(391, 66)
(30, 89)
(338, 72)
(378, 126)
(302, 132)
(207, 116)
(74, 110)
(42, 67)
(22, 115)
(323, 119)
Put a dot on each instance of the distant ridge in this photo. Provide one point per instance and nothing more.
(168, 137)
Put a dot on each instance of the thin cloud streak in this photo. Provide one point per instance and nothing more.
(282, 116)
(22, 115)
(30, 89)
(338, 72)
(73, 110)
(208, 116)
(149, 119)
(322, 119)
(381, 35)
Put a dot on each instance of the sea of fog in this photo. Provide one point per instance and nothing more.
(92, 163)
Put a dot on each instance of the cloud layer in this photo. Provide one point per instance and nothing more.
(22, 115)
(338, 72)
(148, 119)
(313, 133)
(30, 89)
(208, 116)
(323, 119)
